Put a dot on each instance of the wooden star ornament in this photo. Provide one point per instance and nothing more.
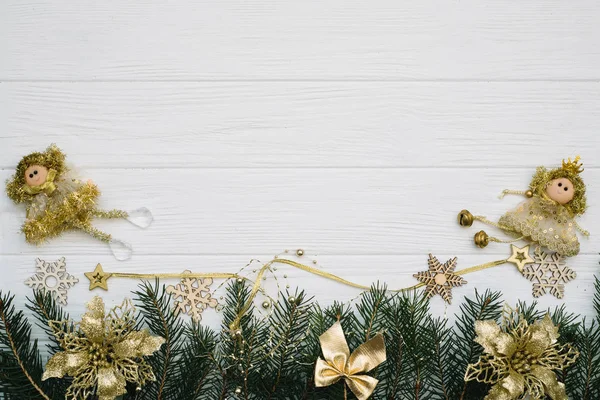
(98, 278)
(440, 278)
(520, 257)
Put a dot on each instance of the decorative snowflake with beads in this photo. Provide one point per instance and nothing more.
(192, 296)
(52, 277)
(548, 272)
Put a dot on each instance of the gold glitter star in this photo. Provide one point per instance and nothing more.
(98, 278)
(520, 256)
(440, 278)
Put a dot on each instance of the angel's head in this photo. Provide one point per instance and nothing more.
(35, 173)
(562, 185)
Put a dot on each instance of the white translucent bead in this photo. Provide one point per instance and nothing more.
(142, 217)
(120, 249)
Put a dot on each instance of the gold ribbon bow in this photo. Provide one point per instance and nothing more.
(339, 363)
(47, 187)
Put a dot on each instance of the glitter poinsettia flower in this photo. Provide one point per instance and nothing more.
(521, 358)
(103, 352)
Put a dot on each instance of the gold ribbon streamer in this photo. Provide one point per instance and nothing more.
(235, 324)
(47, 187)
(339, 363)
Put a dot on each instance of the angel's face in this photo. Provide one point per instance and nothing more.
(560, 190)
(36, 175)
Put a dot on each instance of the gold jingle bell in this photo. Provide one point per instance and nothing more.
(481, 239)
(465, 218)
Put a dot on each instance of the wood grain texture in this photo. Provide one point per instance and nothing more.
(313, 39)
(291, 124)
(355, 130)
(337, 211)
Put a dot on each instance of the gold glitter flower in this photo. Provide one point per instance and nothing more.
(521, 358)
(102, 351)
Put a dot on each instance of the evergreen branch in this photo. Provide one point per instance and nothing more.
(156, 312)
(484, 307)
(45, 309)
(17, 350)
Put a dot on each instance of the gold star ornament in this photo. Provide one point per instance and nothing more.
(98, 278)
(520, 257)
(440, 278)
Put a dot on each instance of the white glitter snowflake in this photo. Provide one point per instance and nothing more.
(548, 272)
(52, 277)
(192, 296)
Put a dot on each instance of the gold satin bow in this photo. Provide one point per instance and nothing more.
(47, 187)
(339, 363)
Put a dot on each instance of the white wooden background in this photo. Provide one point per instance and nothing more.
(355, 130)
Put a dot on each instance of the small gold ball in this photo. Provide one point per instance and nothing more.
(238, 390)
(299, 252)
(292, 299)
(240, 280)
(529, 193)
(481, 239)
(237, 333)
(465, 218)
(138, 389)
(266, 304)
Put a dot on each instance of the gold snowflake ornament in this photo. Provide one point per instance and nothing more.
(440, 278)
(549, 273)
(192, 296)
(52, 277)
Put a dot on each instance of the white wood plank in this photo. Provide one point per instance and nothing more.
(339, 124)
(395, 271)
(258, 211)
(314, 39)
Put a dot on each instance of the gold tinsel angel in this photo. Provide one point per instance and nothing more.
(56, 201)
(555, 198)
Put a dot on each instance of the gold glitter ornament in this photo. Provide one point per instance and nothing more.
(554, 199)
(103, 352)
(440, 278)
(56, 201)
(520, 358)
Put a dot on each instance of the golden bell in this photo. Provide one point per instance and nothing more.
(481, 239)
(465, 218)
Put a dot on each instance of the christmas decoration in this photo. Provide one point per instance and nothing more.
(274, 355)
(339, 363)
(547, 217)
(103, 352)
(521, 358)
(440, 278)
(52, 277)
(99, 278)
(57, 201)
(520, 256)
(192, 296)
(548, 272)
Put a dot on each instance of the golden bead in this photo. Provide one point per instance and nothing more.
(529, 193)
(237, 333)
(299, 252)
(240, 280)
(238, 390)
(465, 218)
(266, 304)
(292, 299)
(481, 239)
